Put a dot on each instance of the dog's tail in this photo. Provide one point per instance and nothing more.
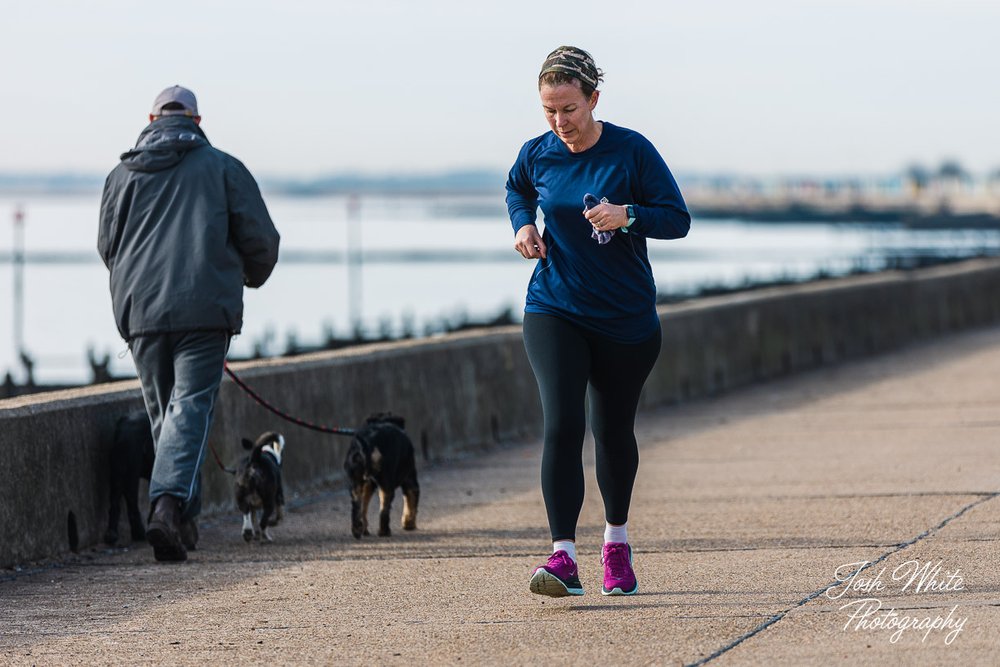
(386, 417)
(271, 442)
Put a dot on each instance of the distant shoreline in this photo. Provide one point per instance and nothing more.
(903, 216)
(457, 183)
(941, 204)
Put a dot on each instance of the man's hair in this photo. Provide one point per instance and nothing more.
(170, 109)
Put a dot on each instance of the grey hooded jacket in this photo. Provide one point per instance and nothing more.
(183, 228)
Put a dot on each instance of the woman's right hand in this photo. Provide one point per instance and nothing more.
(529, 243)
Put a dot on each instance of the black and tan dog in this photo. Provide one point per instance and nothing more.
(131, 460)
(258, 485)
(381, 456)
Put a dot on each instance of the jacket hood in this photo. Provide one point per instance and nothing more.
(164, 143)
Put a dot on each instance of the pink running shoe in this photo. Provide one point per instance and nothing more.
(557, 578)
(619, 579)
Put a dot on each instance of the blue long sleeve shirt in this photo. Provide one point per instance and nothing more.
(608, 289)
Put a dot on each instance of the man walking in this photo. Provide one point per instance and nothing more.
(183, 228)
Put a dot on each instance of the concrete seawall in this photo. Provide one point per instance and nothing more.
(460, 393)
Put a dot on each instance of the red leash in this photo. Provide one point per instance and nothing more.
(231, 471)
(335, 430)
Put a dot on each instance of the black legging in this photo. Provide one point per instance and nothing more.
(565, 359)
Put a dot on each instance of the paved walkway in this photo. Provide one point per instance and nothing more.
(745, 508)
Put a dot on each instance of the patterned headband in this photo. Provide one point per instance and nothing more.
(573, 61)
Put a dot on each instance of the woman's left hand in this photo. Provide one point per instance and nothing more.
(607, 217)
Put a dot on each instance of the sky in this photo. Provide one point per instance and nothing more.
(307, 88)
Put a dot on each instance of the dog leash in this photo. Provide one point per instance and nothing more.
(334, 430)
(231, 471)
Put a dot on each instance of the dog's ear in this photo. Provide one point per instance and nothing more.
(247, 443)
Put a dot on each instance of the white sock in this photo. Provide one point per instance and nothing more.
(615, 533)
(569, 546)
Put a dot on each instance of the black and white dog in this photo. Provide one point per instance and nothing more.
(131, 460)
(258, 485)
(381, 457)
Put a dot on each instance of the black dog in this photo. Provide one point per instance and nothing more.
(258, 485)
(381, 456)
(131, 459)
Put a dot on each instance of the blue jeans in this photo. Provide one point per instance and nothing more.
(180, 375)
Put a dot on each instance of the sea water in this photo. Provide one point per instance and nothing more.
(427, 261)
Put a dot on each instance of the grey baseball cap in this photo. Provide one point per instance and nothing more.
(177, 95)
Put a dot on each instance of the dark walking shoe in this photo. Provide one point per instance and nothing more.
(163, 531)
(189, 534)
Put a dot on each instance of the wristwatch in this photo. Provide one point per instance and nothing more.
(630, 212)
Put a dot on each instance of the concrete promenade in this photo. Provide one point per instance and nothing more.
(746, 506)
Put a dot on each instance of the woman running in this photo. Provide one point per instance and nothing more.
(590, 318)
